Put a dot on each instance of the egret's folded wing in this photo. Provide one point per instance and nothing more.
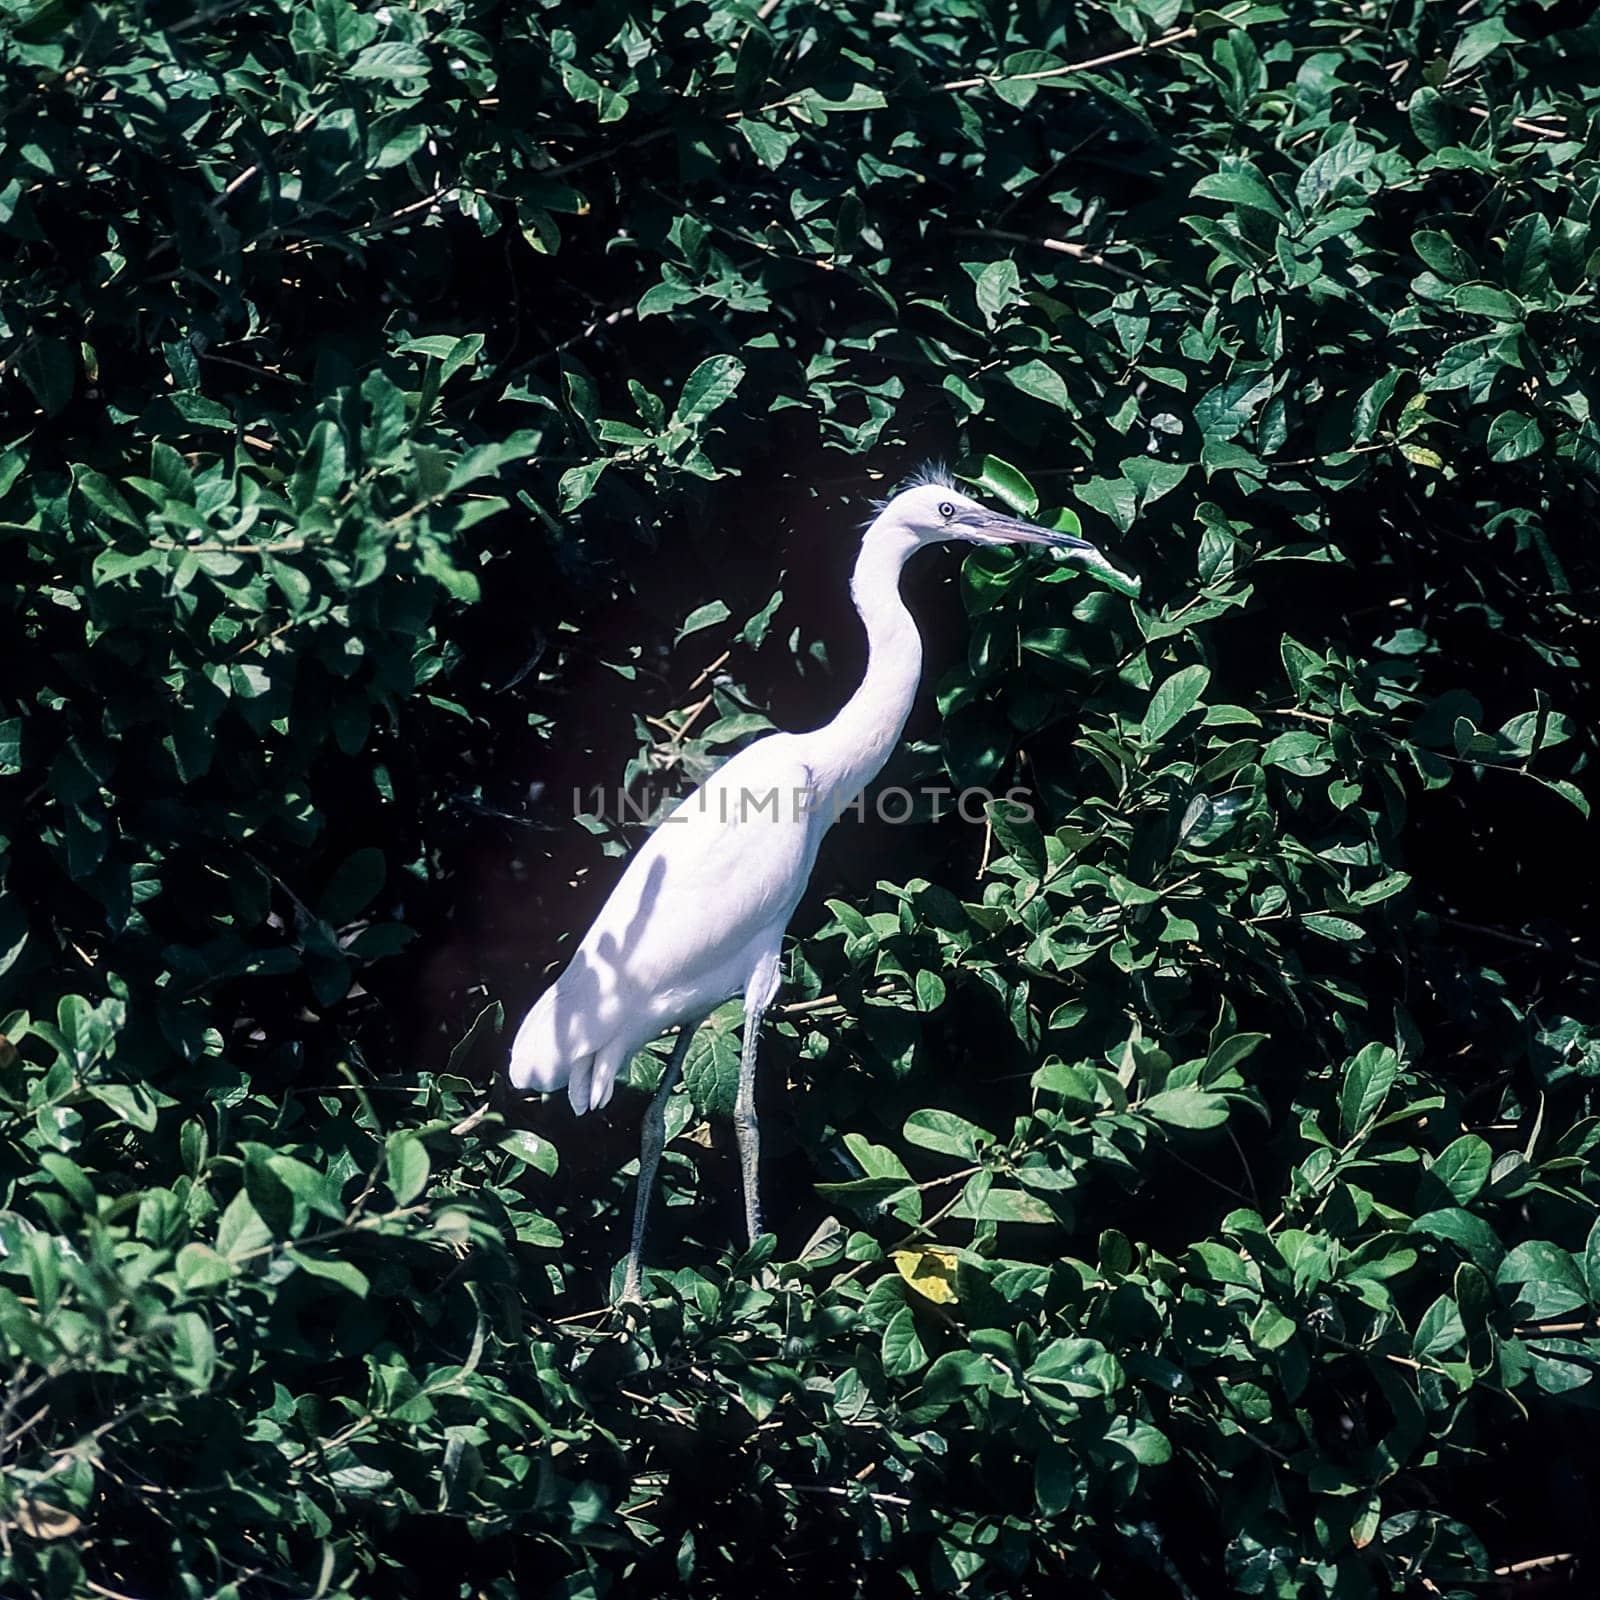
(722, 871)
(731, 861)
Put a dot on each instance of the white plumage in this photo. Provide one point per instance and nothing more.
(696, 917)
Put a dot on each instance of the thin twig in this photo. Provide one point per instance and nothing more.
(1068, 247)
(1524, 123)
(610, 320)
(1535, 1564)
(1165, 42)
(799, 1008)
(1527, 941)
(875, 1495)
(254, 169)
(952, 85)
(705, 672)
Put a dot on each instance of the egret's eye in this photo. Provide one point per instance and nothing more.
(946, 510)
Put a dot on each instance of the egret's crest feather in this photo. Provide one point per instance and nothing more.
(935, 473)
(930, 472)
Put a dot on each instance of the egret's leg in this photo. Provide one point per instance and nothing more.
(745, 1125)
(651, 1139)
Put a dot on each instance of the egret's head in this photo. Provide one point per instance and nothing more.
(932, 510)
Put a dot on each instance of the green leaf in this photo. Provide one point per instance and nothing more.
(1173, 701)
(130, 1101)
(354, 885)
(1527, 263)
(345, 1274)
(1187, 1108)
(1101, 569)
(194, 1348)
(488, 1021)
(1544, 1278)
(1043, 382)
(902, 1352)
(451, 351)
(406, 1162)
(1462, 1167)
(711, 1068)
(771, 144)
(1514, 437)
(530, 1150)
(1439, 1329)
(1114, 498)
(1441, 253)
(1432, 119)
(946, 1133)
(1001, 481)
(199, 1268)
(323, 466)
(50, 370)
(104, 496)
(241, 1233)
(391, 61)
(706, 616)
(1241, 184)
(1270, 1329)
(997, 287)
(1018, 833)
(876, 1160)
(1227, 1053)
(1368, 1078)
(1223, 412)
(711, 385)
(1478, 42)
(1469, 1233)
(1013, 1205)
(1056, 1478)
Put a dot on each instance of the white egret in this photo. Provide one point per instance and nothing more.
(699, 914)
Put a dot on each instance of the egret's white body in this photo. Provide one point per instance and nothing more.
(697, 917)
(699, 914)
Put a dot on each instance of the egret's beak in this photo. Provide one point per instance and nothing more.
(990, 527)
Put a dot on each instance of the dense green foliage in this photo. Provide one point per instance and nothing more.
(411, 413)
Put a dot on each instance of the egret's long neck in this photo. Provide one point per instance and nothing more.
(850, 751)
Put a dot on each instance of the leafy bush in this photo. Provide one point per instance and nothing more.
(1188, 1189)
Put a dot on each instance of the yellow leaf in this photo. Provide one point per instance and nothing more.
(930, 1271)
(41, 1521)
